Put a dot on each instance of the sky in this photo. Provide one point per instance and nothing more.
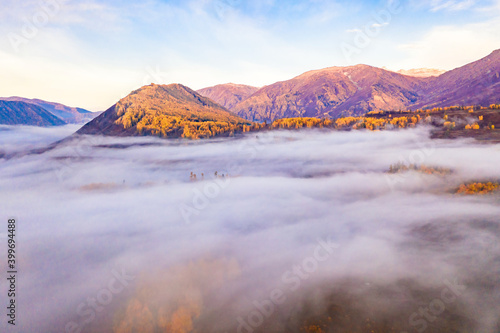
(91, 53)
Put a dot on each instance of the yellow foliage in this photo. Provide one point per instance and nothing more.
(172, 300)
(181, 321)
(137, 318)
(477, 188)
(199, 123)
(174, 111)
(301, 122)
(347, 121)
(314, 329)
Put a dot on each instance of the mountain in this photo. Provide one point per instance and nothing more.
(422, 72)
(229, 94)
(166, 111)
(332, 92)
(477, 83)
(356, 90)
(21, 113)
(67, 114)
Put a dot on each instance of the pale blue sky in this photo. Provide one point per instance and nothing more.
(92, 53)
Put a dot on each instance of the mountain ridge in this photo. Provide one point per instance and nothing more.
(167, 111)
(355, 90)
(331, 92)
(70, 115)
(22, 113)
(476, 83)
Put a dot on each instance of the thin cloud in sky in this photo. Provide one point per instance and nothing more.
(207, 42)
(433, 50)
(437, 5)
(379, 25)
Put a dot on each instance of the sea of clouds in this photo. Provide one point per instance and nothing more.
(298, 228)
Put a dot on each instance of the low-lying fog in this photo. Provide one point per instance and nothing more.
(298, 232)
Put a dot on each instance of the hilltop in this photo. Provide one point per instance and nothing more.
(332, 92)
(165, 111)
(356, 90)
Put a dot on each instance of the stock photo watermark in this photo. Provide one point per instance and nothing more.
(154, 75)
(419, 320)
(292, 279)
(415, 157)
(79, 148)
(12, 269)
(203, 196)
(363, 36)
(223, 6)
(88, 309)
(47, 10)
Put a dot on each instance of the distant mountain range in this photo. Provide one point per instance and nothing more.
(66, 114)
(17, 113)
(356, 90)
(165, 111)
(177, 111)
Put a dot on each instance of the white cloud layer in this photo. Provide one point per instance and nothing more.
(92, 207)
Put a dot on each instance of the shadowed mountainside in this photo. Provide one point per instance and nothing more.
(69, 115)
(21, 113)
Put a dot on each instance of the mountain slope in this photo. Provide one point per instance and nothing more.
(332, 92)
(21, 113)
(477, 83)
(166, 111)
(229, 94)
(356, 90)
(67, 114)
